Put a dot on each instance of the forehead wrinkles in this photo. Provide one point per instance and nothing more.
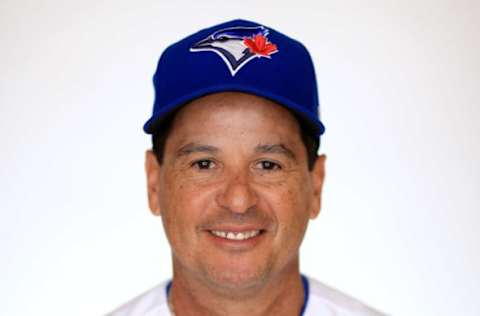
(234, 111)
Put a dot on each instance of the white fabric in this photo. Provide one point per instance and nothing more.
(151, 303)
(326, 301)
(322, 301)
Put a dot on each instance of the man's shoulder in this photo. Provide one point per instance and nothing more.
(325, 300)
(151, 302)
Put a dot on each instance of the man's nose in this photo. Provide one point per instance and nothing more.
(237, 194)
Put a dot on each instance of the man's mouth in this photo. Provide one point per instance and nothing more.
(236, 235)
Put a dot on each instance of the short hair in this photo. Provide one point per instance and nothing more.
(160, 135)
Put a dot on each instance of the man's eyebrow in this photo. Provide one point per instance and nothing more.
(275, 149)
(191, 148)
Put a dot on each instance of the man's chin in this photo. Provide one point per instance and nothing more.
(236, 281)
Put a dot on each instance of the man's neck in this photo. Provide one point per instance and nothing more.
(282, 295)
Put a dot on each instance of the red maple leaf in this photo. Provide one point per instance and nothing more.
(259, 45)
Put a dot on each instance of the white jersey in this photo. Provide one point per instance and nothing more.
(320, 300)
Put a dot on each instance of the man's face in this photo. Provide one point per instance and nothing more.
(234, 190)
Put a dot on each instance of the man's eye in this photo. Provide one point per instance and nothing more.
(204, 164)
(268, 165)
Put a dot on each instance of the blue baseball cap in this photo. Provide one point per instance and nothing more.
(240, 56)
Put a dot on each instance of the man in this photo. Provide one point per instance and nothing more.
(235, 176)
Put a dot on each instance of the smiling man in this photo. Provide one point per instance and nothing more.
(235, 176)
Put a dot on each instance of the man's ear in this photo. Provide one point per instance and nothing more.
(318, 177)
(152, 169)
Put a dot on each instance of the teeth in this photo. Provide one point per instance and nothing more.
(235, 236)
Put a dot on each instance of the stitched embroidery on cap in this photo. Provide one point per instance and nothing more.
(238, 45)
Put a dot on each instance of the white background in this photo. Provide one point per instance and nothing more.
(399, 87)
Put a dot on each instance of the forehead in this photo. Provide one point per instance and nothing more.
(235, 112)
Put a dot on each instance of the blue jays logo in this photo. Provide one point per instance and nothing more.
(238, 45)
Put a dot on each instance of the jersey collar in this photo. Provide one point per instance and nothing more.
(306, 292)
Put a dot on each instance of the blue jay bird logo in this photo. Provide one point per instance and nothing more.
(237, 45)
